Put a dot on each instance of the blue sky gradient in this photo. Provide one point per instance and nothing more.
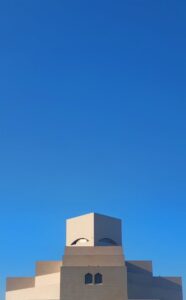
(92, 118)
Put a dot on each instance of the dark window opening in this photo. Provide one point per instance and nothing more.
(88, 278)
(98, 278)
(106, 242)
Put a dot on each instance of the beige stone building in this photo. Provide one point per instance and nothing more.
(94, 268)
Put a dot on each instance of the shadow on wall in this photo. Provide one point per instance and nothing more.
(142, 284)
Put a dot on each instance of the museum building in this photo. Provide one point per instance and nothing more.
(94, 268)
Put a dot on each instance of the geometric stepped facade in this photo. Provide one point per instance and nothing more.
(94, 268)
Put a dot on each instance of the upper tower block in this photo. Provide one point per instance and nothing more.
(93, 230)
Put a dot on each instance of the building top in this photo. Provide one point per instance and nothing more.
(93, 230)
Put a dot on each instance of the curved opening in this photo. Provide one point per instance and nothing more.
(80, 242)
(88, 278)
(98, 278)
(107, 242)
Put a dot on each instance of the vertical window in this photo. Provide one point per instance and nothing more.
(88, 278)
(98, 278)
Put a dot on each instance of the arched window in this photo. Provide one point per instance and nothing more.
(106, 242)
(80, 242)
(88, 278)
(98, 278)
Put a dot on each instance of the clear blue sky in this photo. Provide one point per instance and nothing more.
(92, 118)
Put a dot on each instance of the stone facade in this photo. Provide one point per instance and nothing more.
(94, 267)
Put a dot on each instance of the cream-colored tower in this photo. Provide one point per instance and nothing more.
(93, 264)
